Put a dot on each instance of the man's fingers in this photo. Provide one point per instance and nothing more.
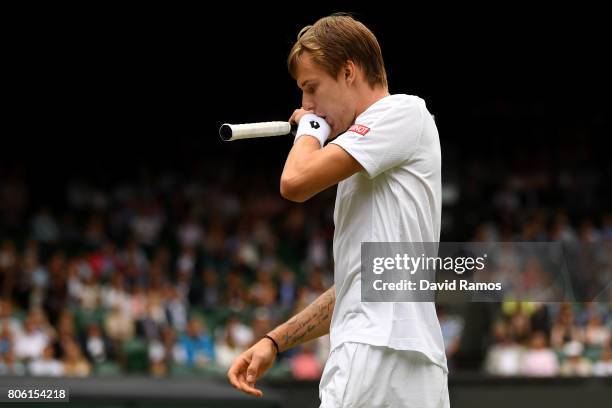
(233, 379)
(297, 115)
(253, 370)
(245, 387)
(234, 372)
(292, 118)
(237, 377)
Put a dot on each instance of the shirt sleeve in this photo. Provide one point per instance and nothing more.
(384, 139)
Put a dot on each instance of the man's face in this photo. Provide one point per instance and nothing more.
(328, 97)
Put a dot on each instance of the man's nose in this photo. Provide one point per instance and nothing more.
(307, 104)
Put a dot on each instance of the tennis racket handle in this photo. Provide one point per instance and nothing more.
(229, 132)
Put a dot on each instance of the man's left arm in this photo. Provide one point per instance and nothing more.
(310, 169)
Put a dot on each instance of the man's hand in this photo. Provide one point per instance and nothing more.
(297, 115)
(251, 365)
(312, 125)
(312, 322)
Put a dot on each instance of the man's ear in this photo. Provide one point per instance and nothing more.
(349, 71)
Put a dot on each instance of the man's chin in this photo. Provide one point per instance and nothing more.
(332, 136)
(335, 133)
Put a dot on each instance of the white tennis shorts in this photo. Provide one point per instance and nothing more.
(360, 375)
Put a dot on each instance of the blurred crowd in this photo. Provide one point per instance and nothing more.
(568, 339)
(161, 277)
(173, 275)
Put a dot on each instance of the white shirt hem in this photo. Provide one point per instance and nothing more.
(397, 344)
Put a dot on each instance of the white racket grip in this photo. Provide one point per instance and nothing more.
(229, 132)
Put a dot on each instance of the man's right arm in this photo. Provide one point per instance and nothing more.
(312, 322)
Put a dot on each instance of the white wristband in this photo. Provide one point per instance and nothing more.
(313, 125)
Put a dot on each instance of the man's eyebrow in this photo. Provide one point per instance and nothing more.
(305, 83)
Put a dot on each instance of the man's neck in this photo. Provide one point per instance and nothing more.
(369, 97)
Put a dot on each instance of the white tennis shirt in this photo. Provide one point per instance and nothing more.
(397, 198)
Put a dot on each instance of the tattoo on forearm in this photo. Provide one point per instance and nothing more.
(315, 317)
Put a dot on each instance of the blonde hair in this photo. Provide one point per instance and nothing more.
(335, 39)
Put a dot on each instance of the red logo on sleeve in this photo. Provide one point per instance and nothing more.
(362, 130)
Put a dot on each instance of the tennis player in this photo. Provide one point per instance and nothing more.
(383, 152)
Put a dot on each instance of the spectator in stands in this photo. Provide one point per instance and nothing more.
(451, 326)
(186, 261)
(137, 302)
(56, 293)
(190, 232)
(34, 277)
(210, 296)
(96, 345)
(263, 293)
(171, 347)
(305, 365)
(227, 349)
(176, 308)
(183, 284)
(539, 360)
(596, 334)
(197, 344)
(89, 296)
(119, 326)
(165, 352)
(562, 230)
(505, 356)
(150, 325)
(520, 325)
(115, 294)
(7, 319)
(157, 354)
(66, 326)
(8, 266)
(575, 364)
(603, 367)
(46, 365)
(148, 223)
(74, 283)
(107, 261)
(11, 366)
(31, 342)
(40, 321)
(564, 330)
(6, 337)
(135, 262)
(75, 365)
(287, 289)
(261, 324)
(236, 295)
(240, 332)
